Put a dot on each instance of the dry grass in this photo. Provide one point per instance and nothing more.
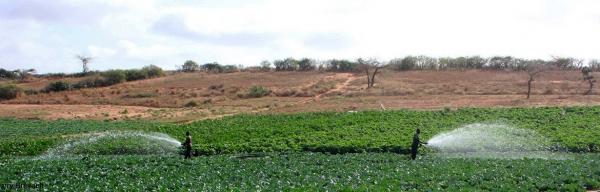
(216, 94)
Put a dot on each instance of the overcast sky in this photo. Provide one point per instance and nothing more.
(46, 35)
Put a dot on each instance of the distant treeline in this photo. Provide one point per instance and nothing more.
(504, 63)
(422, 62)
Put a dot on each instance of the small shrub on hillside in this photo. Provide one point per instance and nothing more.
(191, 104)
(135, 74)
(257, 92)
(57, 86)
(89, 83)
(286, 92)
(9, 91)
(216, 87)
(141, 95)
(32, 92)
(112, 77)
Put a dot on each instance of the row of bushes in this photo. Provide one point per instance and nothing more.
(107, 78)
(66, 75)
(214, 67)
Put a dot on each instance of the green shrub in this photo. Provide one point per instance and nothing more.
(135, 74)
(153, 71)
(89, 83)
(191, 104)
(57, 86)
(189, 66)
(9, 91)
(257, 92)
(112, 77)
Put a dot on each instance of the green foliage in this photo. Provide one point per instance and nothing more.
(135, 74)
(212, 67)
(304, 172)
(257, 92)
(57, 86)
(9, 91)
(306, 64)
(288, 164)
(153, 71)
(288, 64)
(341, 65)
(112, 77)
(6, 74)
(189, 66)
(577, 129)
(89, 82)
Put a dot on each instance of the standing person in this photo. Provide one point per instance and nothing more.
(187, 145)
(415, 145)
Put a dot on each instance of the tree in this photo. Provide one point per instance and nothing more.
(189, 66)
(23, 74)
(306, 64)
(85, 60)
(594, 65)
(265, 65)
(279, 65)
(566, 63)
(589, 77)
(212, 67)
(290, 64)
(341, 65)
(6, 74)
(371, 67)
(533, 71)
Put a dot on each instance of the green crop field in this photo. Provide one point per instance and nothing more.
(304, 172)
(308, 151)
(576, 128)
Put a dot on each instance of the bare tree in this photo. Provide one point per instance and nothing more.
(533, 71)
(589, 77)
(371, 67)
(85, 60)
(23, 74)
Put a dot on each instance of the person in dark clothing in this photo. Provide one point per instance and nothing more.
(415, 145)
(187, 145)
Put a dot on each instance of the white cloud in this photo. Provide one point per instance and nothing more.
(127, 33)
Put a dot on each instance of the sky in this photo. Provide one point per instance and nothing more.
(47, 35)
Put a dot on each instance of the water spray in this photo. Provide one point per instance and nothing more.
(492, 141)
(153, 143)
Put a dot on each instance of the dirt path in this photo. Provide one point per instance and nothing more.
(348, 76)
